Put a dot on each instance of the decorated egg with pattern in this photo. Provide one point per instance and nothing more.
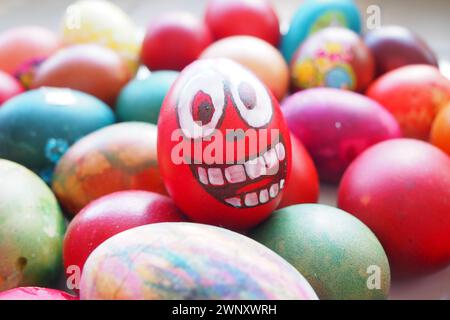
(223, 145)
(186, 261)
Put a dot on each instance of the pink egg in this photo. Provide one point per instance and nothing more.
(35, 293)
(9, 87)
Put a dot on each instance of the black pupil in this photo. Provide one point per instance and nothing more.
(202, 108)
(247, 95)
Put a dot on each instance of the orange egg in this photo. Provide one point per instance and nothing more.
(264, 60)
(440, 132)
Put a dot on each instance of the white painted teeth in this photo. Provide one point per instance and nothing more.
(202, 175)
(272, 162)
(281, 151)
(235, 174)
(251, 199)
(282, 181)
(215, 176)
(235, 201)
(264, 196)
(274, 189)
(255, 168)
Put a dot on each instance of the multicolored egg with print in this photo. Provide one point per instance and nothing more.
(141, 99)
(9, 87)
(109, 215)
(223, 145)
(440, 132)
(313, 16)
(303, 185)
(264, 60)
(23, 49)
(35, 293)
(334, 58)
(414, 95)
(401, 189)
(257, 18)
(89, 68)
(38, 126)
(116, 158)
(31, 229)
(103, 23)
(338, 255)
(336, 126)
(395, 46)
(186, 261)
(173, 41)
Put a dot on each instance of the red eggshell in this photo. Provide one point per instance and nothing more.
(35, 293)
(401, 190)
(9, 87)
(256, 18)
(205, 201)
(112, 214)
(90, 68)
(22, 45)
(173, 41)
(414, 95)
(303, 184)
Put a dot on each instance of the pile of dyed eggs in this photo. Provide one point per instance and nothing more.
(184, 163)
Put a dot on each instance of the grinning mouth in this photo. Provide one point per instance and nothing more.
(255, 182)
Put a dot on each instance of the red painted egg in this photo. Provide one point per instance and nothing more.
(394, 47)
(173, 41)
(336, 126)
(414, 95)
(333, 57)
(256, 18)
(303, 184)
(9, 87)
(223, 145)
(35, 293)
(90, 68)
(401, 189)
(112, 214)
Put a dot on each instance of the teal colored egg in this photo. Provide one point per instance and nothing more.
(313, 16)
(37, 127)
(142, 99)
(31, 229)
(338, 255)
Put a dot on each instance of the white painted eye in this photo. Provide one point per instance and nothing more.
(201, 104)
(251, 98)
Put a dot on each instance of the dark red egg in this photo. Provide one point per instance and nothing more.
(401, 189)
(112, 214)
(394, 47)
(9, 87)
(173, 41)
(35, 293)
(256, 18)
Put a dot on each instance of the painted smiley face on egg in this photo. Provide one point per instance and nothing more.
(224, 146)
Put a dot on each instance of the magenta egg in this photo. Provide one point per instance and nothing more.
(35, 293)
(336, 126)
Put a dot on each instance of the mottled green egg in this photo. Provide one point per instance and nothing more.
(339, 256)
(31, 229)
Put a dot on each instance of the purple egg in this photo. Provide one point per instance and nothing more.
(336, 126)
(394, 47)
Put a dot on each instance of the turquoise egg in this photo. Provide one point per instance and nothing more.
(315, 15)
(142, 99)
(37, 127)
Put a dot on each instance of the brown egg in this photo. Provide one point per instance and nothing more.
(90, 68)
(264, 60)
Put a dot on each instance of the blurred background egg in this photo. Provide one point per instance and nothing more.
(90, 68)
(333, 57)
(31, 229)
(303, 183)
(174, 40)
(141, 99)
(116, 158)
(256, 18)
(24, 48)
(395, 46)
(440, 132)
(313, 15)
(414, 94)
(335, 251)
(35, 293)
(38, 126)
(188, 261)
(111, 214)
(401, 189)
(9, 87)
(336, 126)
(264, 60)
(103, 23)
